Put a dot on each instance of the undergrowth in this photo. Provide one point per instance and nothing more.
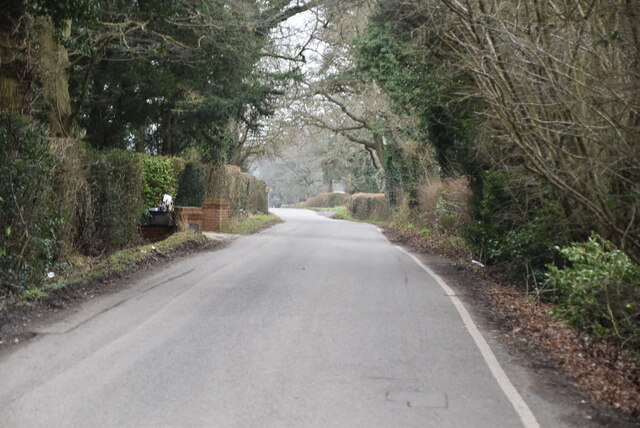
(598, 291)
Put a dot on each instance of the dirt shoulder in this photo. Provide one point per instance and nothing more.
(596, 377)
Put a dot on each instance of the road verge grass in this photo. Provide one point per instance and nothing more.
(249, 224)
(83, 269)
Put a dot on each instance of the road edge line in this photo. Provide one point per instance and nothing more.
(527, 417)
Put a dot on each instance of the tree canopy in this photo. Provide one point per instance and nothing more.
(156, 75)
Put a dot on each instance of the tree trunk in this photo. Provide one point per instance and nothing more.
(167, 138)
(53, 71)
(16, 69)
(140, 140)
(30, 54)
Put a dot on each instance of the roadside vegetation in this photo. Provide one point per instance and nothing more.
(82, 269)
(105, 108)
(66, 201)
(597, 291)
(79, 269)
(248, 224)
(526, 173)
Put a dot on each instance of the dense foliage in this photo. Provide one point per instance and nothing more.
(191, 189)
(538, 158)
(158, 76)
(55, 205)
(420, 84)
(29, 218)
(536, 107)
(117, 187)
(599, 291)
(161, 175)
(90, 82)
(533, 109)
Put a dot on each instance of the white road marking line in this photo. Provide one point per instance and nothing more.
(527, 417)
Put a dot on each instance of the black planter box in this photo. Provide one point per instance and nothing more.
(161, 218)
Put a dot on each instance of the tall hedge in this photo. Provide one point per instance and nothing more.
(116, 179)
(370, 206)
(58, 197)
(73, 196)
(245, 193)
(28, 218)
(328, 200)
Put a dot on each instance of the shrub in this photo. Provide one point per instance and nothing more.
(599, 291)
(444, 205)
(29, 219)
(160, 177)
(117, 189)
(518, 225)
(191, 190)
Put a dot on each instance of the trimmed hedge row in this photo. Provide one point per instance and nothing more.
(363, 206)
(117, 187)
(58, 197)
(245, 193)
(443, 205)
(28, 218)
(370, 206)
(328, 200)
(161, 176)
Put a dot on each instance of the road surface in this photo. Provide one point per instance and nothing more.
(312, 323)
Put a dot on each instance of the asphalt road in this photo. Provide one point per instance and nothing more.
(312, 323)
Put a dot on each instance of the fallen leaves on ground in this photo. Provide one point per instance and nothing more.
(607, 372)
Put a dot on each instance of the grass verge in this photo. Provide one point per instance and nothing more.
(86, 269)
(252, 223)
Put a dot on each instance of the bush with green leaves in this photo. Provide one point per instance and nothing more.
(598, 291)
(29, 219)
(161, 176)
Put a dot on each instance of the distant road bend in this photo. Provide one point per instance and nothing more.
(312, 323)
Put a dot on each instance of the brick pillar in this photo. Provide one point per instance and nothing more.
(215, 215)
